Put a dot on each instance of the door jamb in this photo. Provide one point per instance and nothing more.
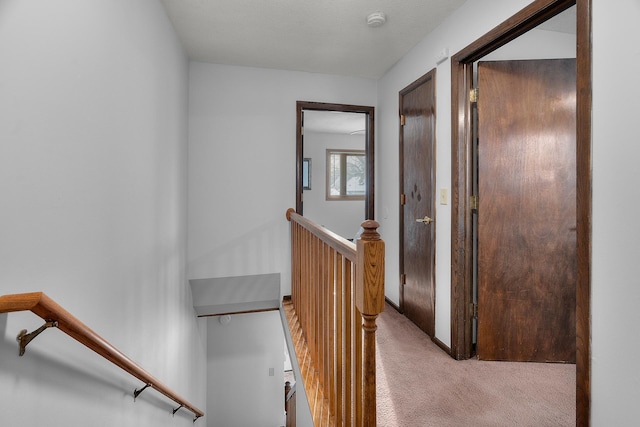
(369, 148)
(461, 239)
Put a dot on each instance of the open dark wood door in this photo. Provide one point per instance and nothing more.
(417, 210)
(527, 210)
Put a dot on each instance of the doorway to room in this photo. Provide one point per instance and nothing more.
(463, 172)
(308, 169)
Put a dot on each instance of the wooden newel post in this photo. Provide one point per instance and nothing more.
(370, 303)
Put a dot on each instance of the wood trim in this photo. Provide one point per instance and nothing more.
(392, 305)
(369, 148)
(531, 16)
(442, 345)
(584, 206)
(299, 155)
(230, 313)
(402, 195)
(43, 306)
(461, 263)
(461, 243)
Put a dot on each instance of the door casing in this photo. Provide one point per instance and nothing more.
(462, 173)
(369, 148)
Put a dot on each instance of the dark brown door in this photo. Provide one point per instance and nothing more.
(527, 210)
(417, 211)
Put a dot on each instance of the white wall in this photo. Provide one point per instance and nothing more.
(340, 216)
(240, 355)
(242, 139)
(616, 209)
(93, 158)
(536, 44)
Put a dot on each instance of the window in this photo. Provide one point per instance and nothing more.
(346, 174)
(306, 174)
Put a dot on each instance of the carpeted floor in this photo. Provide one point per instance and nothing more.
(419, 385)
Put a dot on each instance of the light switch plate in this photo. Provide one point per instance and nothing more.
(444, 196)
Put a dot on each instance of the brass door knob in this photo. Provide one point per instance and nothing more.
(425, 220)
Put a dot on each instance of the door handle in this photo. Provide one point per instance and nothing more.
(425, 220)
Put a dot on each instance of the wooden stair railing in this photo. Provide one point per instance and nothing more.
(56, 316)
(290, 404)
(337, 292)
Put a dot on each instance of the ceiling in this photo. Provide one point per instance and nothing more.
(319, 36)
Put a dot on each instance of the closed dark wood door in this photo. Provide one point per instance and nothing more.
(527, 210)
(417, 241)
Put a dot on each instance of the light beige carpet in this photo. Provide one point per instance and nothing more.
(419, 385)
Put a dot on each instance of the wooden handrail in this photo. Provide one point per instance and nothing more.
(43, 306)
(337, 292)
(337, 242)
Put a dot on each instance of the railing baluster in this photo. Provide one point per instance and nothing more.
(322, 321)
(348, 324)
(337, 294)
(339, 350)
(331, 329)
(359, 396)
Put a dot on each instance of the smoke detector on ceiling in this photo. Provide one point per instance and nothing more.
(376, 19)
